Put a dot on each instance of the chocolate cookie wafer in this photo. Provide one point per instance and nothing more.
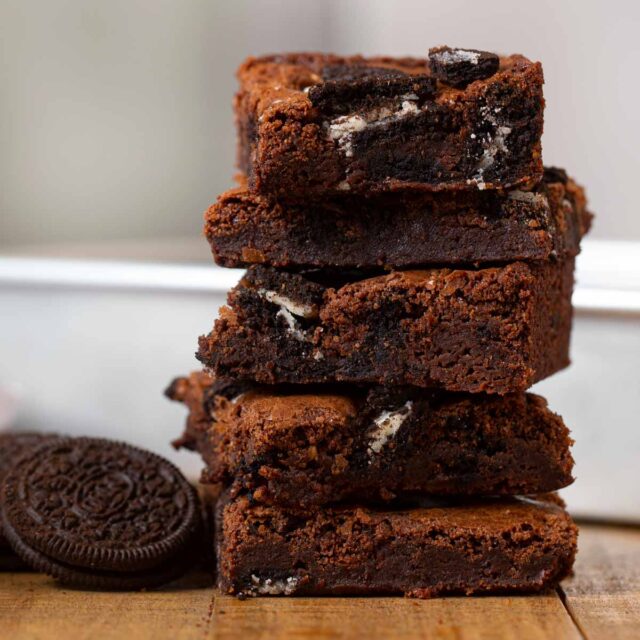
(13, 445)
(103, 514)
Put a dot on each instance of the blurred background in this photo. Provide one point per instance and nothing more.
(116, 132)
(115, 117)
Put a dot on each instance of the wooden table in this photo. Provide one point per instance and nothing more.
(602, 600)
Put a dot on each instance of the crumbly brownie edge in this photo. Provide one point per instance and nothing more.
(192, 390)
(552, 315)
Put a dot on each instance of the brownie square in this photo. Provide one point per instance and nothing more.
(399, 230)
(438, 548)
(309, 446)
(496, 329)
(314, 124)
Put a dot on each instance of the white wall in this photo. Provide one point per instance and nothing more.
(115, 117)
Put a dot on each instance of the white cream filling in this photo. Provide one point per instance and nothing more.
(237, 398)
(342, 129)
(492, 144)
(385, 427)
(293, 328)
(288, 309)
(456, 55)
(296, 308)
(274, 587)
(530, 197)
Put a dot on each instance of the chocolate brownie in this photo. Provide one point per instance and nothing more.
(511, 545)
(497, 330)
(399, 230)
(317, 124)
(300, 447)
(98, 513)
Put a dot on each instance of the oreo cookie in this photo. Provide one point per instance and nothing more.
(103, 514)
(352, 88)
(14, 445)
(459, 67)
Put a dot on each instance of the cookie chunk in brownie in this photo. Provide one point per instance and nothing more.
(399, 230)
(301, 447)
(314, 124)
(495, 546)
(459, 67)
(497, 330)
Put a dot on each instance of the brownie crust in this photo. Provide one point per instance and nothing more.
(496, 330)
(400, 230)
(316, 124)
(514, 545)
(305, 448)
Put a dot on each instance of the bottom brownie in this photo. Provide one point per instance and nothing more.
(494, 546)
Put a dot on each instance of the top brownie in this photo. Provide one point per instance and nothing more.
(319, 124)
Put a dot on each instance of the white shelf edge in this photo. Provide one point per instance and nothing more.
(608, 275)
(116, 274)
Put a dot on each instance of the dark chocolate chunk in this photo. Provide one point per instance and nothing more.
(362, 88)
(459, 67)
(100, 513)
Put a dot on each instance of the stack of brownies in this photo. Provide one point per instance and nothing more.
(410, 270)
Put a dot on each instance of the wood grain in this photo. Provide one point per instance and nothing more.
(604, 594)
(32, 606)
(346, 618)
(601, 601)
